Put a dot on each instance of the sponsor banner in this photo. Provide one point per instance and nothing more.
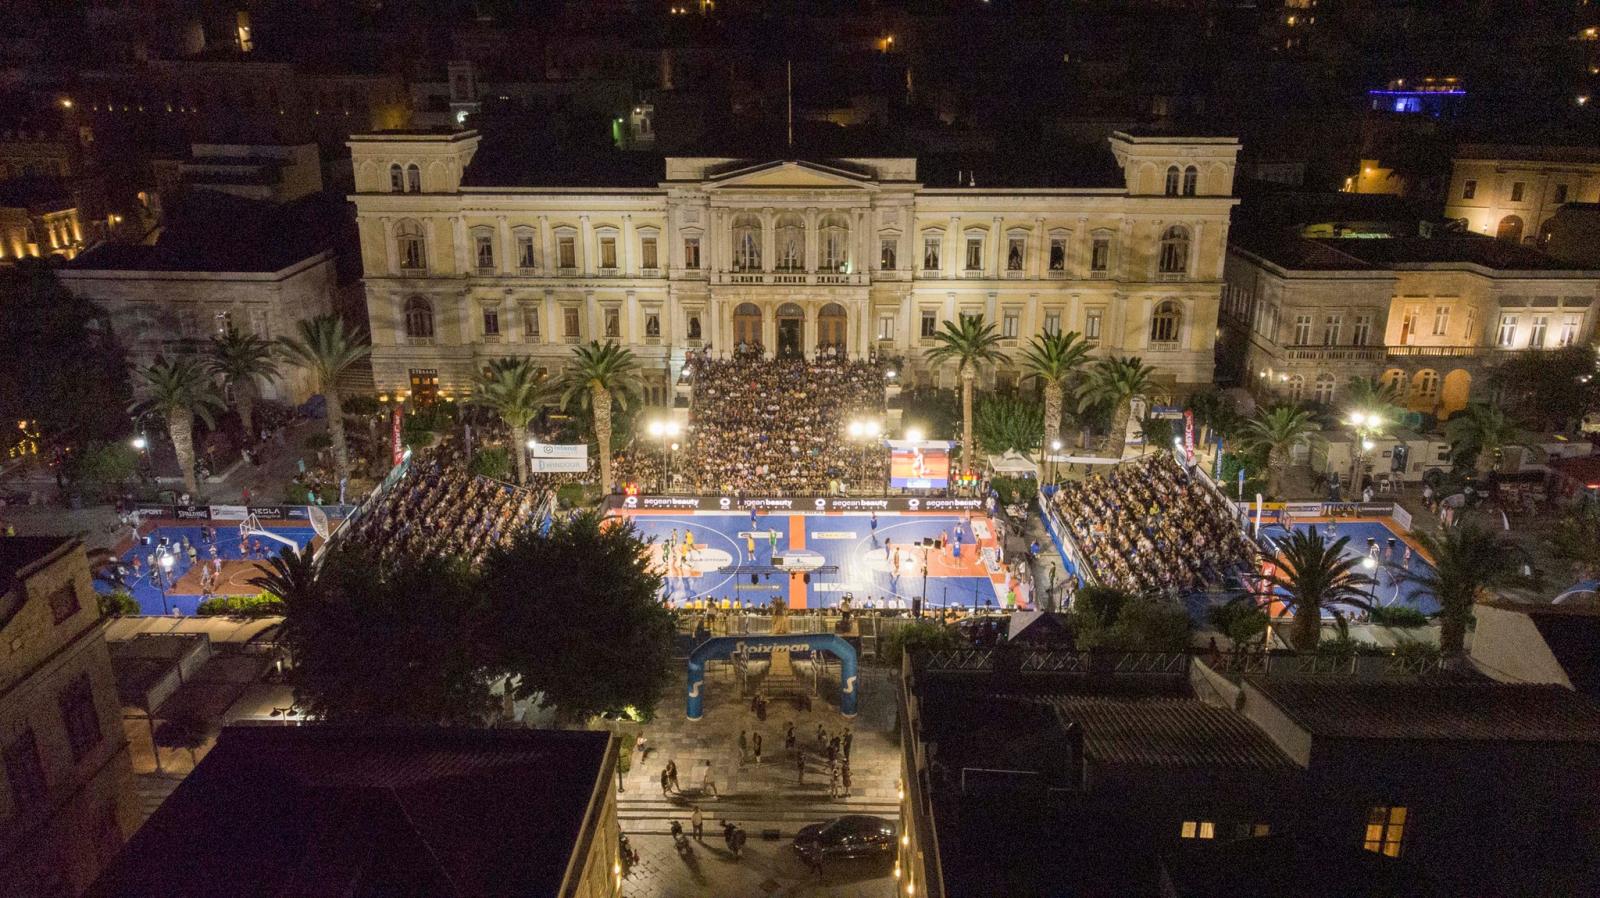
(269, 512)
(1402, 517)
(728, 503)
(192, 512)
(297, 512)
(1303, 509)
(1359, 509)
(558, 465)
(857, 504)
(943, 504)
(229, 512)
(560, 450)
(833, 534)
(154, 510)
(397, 448)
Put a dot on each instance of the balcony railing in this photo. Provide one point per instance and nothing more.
(1448, 352)
(1334, 353)
(791, 278)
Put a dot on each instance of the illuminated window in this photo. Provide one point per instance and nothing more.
(1569, 330)
(1297, 387)
(1173, 177)
(930, 323)
(974, 253)
(1008, 324)
(1441, 320)
(652, 325)
(608, 252)
(1164, 323)
(1386, 828)
(1363, 329)
(886, 327)
(1052, 322)
(1469, 190)
(483, 249)
(1331, 330)
(1536, 333)
(691, 252)
(412, 250)
(1427, 384)
(1016, 250)
(1091, 325)
(1322, 390)
(930, 251)
(1198, 829)
(525, 257)
(747, 243)
(835, 234)
(1508, 331)
(1302, 330)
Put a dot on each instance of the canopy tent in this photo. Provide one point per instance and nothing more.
(1013, 462)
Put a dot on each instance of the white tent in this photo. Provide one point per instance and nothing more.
(1013, 462)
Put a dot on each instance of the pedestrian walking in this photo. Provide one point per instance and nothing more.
(672, 775)
(800, 769)
(697, 823)
(788, 737)
(727, 834)
(844, 777)
(744, 747)
(755, 744)
(833, 782)
(666, 782)
(849, 737)
(708, 785)
(822, 738)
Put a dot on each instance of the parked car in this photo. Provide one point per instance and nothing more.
(850, 836)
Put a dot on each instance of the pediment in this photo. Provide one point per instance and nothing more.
(790, 176)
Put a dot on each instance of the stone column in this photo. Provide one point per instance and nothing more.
(391, 253)
(998, 248)
(546, 258)
(809, 337)
(591, 316)
(769, 240)
(1041, 250)
(955, 244)
(991, 308)
(632, 319)
(508, 251)
(585, 238)
(547, 323)
(813, 240)
(861, 258)
(625, 259)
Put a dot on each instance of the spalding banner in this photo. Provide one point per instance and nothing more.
(780, 504)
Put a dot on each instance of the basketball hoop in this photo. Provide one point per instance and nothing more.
(319, 520)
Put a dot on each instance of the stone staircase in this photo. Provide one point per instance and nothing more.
(654, 814)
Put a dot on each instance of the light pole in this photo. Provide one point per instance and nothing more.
(864, 432)
(166, 570)
(1363, 423)
(665, 431)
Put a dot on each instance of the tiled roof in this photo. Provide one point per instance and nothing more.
(17, 552)
(1465, 248)
(208, 231)
(1573, 636)
(1167, 732)
(1435, 711)
(325, 810)
(1287, 249)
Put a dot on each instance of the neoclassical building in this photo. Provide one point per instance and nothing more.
(469, 255)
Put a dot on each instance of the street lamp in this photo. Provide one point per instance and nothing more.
(166, 570)
(1363, 423)
(665, 431)
(866, 432)
(140, 443)
(914, 434)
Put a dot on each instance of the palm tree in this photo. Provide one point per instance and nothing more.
(289, 575)
(1118, 383)
(324, 347)
(180, 391)
(1054, 359)
(600, 374)
(1469, 561)
(241, 359)
(1316, 574)
(1372, 396)
(514, 389)
(968, 341)
(1279, 430)
(1481, 431)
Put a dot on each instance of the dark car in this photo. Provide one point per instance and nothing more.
(853, 835)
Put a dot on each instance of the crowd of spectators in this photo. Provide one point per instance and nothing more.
(1148, 527)
(781, 427)
(438, 508)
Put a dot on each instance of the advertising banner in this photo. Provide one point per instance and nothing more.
(269, 512)
(540, 465)
(154, 510)
(192, 512)
(781, 504)
(560, 450)
(396, 445)
(1188, 436)
(229, 512)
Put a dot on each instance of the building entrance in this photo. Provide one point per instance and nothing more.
(791, 330)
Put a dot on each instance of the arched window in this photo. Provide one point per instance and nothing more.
(1165, 322)
(835, 243)
(791, 232)
(747, 243)
(419, 318)
(1297, 387)
(1172, 180)
(1191, 180)
(412, 250)
(413, 179)
(1175, 250)
(1427, 384)
(397, 179)
(1324, 388)
(1510, 229)
(1393, 379)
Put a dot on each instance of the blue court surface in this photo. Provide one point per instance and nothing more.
(841, 553)
(1390, 588)
(184, 597)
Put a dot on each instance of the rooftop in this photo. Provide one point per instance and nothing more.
(19, 553)
(208, 231)
(1430, 710)
(322, 810)
(1285, 248)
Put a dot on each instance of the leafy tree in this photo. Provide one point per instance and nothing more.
(970, 342)
(1316, 574)
(490, 462)
(1054, 360)
(1469, 562)
(600, 375)
(1117, 383)
(118, 603)
(180, 391)
(63, 366)
(324, 347)
(241, 360)
(1576, 539)
(1240, 620)
(919, 636)
(1549, 389)
(1215, 415)
(514, 390)
(401, 642)
(576, 620)
(1007, 422)
(1108, 619)
(1278, 431)
(109, 465)
(1478, 435)
(1156, 431)
(1100, 604)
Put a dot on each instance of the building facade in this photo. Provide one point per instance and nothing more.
(1511, 192)
(1302, 317)
(67, 804)
(791, 256)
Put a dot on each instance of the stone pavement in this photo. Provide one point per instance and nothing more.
(767, 868)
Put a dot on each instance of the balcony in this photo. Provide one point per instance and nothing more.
(1333, 353)
(790, 278)
(1439, 352)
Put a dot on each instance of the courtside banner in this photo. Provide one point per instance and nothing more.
(154, 510)
(775, 503)
(269, 512)
(560, 450)
(229, 512)
(192, 512)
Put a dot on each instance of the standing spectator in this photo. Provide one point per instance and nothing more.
(744, 747)
(697, 823)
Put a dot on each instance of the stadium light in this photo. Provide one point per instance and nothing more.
(140, 443)
(655, 428)
(874, 428)
(856, 429)
(914, 434)
(1369, 562)
(532, 444)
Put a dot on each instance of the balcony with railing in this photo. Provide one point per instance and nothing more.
(1334, 353)
(791, 278)
(1445, 352)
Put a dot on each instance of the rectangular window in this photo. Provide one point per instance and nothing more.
(525, 251)
(1536, 334)
(1091, 325)
(930, 252)
(1408, 326)
(1363, 330)
(930, 323)
(886, 254)
(886, 327)
(1569, 330)
(79, 716)
(63, 603)
(1516, 192)
(567, 252)
(1386, 829)
(1441, 320)
(485, 251)
(491, 322)
(530, 322)
(1008, 324)
(1302, 330)
(1331, 327)
(569, 323)
(691, 252)
(1100, 255)
(1561, 193)
(647, 253)
(1472, 325)
(1052, 322)
(1508, 331)
(1016, 251)
(974, 253)
(652, 325)
(608, 252)
(1469, 190)
(613, 323)
(25, 771)
(1058, 254)
(1198, 829)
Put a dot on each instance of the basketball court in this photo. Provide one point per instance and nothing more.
(1393, 561)
(239, 562)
